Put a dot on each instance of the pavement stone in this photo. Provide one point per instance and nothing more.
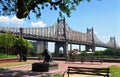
(25, 70)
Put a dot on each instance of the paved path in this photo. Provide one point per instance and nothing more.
(25, 70)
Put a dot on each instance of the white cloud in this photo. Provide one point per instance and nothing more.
(38, 24)
(95, 32)
(13, 20)
(105, 37)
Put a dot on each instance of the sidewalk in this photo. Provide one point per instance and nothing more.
(25, 70)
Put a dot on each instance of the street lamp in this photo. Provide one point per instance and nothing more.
(21, 29)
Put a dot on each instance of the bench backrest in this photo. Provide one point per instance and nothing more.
(89, 71)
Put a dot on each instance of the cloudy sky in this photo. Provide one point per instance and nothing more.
(102, 15)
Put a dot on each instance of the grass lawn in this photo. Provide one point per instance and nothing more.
(2, 65)
(7, 56)
(115, 71)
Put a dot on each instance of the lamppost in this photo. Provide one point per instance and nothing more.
(21, 29)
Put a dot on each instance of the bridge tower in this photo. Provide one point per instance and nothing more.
(61, 35)
(112, 40)
(92, 46)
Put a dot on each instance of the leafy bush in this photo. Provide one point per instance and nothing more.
(98, 53)
(83, 53)
(112, 52)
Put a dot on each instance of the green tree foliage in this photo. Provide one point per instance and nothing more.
(83, 53)
(10, 44)
(112, 52)
(24, 45)
(24, 42)
(98, 53)
(22, 8)
(7, 41)
(108, 52)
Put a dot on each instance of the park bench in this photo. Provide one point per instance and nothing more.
(87, 71)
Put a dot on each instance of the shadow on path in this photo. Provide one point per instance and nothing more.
(19, 73)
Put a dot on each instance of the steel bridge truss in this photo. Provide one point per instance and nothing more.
(61, 32)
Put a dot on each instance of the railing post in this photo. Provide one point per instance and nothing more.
(21, 30)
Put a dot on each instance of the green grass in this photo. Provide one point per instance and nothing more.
(7, 56)
(59, 75)
(115, 71)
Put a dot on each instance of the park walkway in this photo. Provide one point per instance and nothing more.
(25, 70)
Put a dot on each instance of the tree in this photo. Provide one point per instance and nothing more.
(21, 47)
(7, 41)
(22, 8)
(10, 44)
(112, 52)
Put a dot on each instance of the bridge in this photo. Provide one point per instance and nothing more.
(62, 35)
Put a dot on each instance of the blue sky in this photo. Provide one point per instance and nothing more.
(102, 15)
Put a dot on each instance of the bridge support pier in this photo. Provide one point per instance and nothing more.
(70, 47)
(79, 48)
(41, 45)
(90, 47)
(58, 45)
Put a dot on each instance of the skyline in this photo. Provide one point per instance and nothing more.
(103, 16)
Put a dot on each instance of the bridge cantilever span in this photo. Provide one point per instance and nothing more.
(61, 32)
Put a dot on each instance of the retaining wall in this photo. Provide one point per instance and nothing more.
(9, 60)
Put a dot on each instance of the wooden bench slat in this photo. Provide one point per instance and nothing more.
(95, 71)
(88, 71)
